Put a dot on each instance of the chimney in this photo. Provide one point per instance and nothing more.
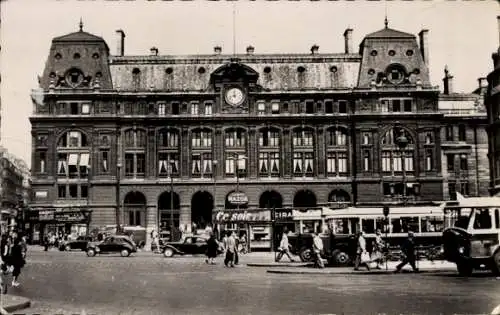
(154, 51)
(424, 44)
(217, 50)
(314, 49)
(483, 83)
(120, 45)
(250, 50)
(447, 81)
(498, 21)
(348, 41)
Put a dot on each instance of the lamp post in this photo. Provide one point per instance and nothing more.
(402, 143)
(118, 204)
(169, 173)
(214, 162)
(386, 221)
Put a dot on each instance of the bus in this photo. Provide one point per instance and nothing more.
(471, 238)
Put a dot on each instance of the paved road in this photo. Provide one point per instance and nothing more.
(68, 283)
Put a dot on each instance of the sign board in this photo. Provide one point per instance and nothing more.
(74, 216)
(243, 216)
(283, 214)
(46, 215)
(237, 198)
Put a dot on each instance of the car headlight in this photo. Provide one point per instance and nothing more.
(461, 250)
(97, 249)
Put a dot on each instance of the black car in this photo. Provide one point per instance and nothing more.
(80, 243)
(190, 245)
(113, 244)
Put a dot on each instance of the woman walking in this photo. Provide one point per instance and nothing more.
(17, 261)
(212, 247)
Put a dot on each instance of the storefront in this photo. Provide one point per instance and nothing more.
(7, 220)
(42, 222)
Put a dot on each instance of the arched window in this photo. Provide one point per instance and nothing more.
(136, 78)
(201, 138)
(135, 152)
(168, 152)
(73, 139)
(337, 136)
(235, 137)
(394, 154)
(269, 152)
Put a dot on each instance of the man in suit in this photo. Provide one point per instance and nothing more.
(408, 249)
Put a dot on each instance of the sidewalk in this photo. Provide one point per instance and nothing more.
(13, 303)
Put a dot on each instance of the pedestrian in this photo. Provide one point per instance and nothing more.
(362, 255)
(212, 248)
(408, 249)
(155, 246)
(317, 249)
(5, 253)
(17, 261)
(230, 247)
(24, 246)
(284, 248)
(243, 243)
(237, 245)
(378, 247)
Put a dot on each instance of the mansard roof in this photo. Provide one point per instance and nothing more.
(390, 33)
(79, 36)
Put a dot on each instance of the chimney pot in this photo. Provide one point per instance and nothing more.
(314, 49)
(217, 50)
(424, 44)
(447, 81)
(498, 21)
(250, 50)
(154, 51)
(120, 45)
(348, 41)
(482, 82)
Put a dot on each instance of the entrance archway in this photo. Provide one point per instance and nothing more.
(134, 206)
(202, 206)
(270, 199)
(168, 210)
(304, 199)
(339, 195)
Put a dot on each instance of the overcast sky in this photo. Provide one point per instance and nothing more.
(462, 35)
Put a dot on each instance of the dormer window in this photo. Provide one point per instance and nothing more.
(395, 73)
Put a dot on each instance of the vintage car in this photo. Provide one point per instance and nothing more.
(80, 243)
(191, 245)
(113, 244)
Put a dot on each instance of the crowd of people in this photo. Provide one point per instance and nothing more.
(13, 249)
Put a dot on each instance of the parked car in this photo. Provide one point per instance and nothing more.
(80, 243)
(113, 244)
(189, 245)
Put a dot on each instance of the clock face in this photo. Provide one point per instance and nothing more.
(234, 96)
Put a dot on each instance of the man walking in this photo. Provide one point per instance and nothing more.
(362, 255)
(284, 248)
(317, 249)
(155, 246)
(408, 249)
(230, 247)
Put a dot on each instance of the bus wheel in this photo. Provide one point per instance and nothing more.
(342, 258)
(305, 254)
(464, 269)
(496, 263)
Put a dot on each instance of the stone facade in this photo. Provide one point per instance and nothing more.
(286, 130)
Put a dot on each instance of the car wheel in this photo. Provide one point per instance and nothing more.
(125, 253)
(305, 254)
(496, 263)
(67, 248)
(91, 252)
(464, 269)
(168, 252)
(342, 258)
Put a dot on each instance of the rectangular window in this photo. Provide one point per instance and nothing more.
(61, 108)
(396, 106)
(366, 138)
(206, 139)
(450, 162)
(386, 161)
(462, 133)
(104, 161)
(85, 108)
(208, 108)
(162, 109)
(463, 162)
(285, 107)
(297, 163)
(196, 164)
(309, 163)
(309, 107)
(261, 108)
(482, 219)
(343, 107)
(61, 191)
(263, 163)
(342, 162)
(449, 133)
(329, 107)
(196, 139)
(275, 108)
(74, 108)
(230, 166)
(464, 188)
(366, 161)
(384, 106)
(175, 108)
(73, 191)
(275, 163)
(129, 164)
(331, 163)
(84, 191)
(141, 163)
(407, 106)
(409, 161)
(43, 162)
(452, 191)
(194, 109)
(387, 189)
(428, 160)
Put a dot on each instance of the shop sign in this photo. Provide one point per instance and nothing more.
(237, 198)
(75, 216)
(46, 215)
(232, 216)
(283, 215)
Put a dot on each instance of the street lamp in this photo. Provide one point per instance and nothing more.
(214, 172)
(118, 204)
(169, 174)
(402, 143)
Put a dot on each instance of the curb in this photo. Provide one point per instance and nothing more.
(291, 265)
(336, 272)
(16, 306)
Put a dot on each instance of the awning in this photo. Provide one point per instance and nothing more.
(84, 159)
(73, 159)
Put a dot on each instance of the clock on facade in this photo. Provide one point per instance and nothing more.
(235, 96)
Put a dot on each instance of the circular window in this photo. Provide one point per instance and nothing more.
(416, 71)
(374, 52)
(74, 77)
(301, 69)
(371, 72)
(267, 70)
(98, 75)
(409, 53)
(76, 56)
(392, 52)
(58, 56)
(201, 70)
(395, 73)
(169, 70)
(52, 75)
(333, 69)
(95, 56)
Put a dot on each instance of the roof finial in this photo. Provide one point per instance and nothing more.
(386, 22)
(81, 25)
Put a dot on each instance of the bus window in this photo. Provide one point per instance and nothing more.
(396, 226)
(368, 225)
(340, 226)
(380, 225)
(354, 225)
(432, 224)
(410, 224)
(497, 218)
(482, 219)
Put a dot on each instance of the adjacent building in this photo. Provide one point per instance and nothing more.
(160, 140)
